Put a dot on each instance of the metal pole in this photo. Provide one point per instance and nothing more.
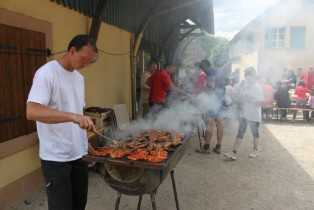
(198, 131)
(174, 189)
(118, 201)
(152, 198)
(139, 202)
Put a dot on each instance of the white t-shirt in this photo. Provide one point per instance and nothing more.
(250, 95)
(228, 95)
(59, 89)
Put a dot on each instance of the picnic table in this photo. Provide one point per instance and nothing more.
(293, 107)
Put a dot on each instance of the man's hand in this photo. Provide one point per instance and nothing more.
(85, 122)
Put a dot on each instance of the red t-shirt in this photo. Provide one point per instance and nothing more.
(159, 83)
(268, 94)
(199, 81)
(308, 79)
(300, 91)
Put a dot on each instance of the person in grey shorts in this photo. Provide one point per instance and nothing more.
(251, 97)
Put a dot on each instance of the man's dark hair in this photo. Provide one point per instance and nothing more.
(301, 83)
(152, 62)
(204, 63)
(82, 40)
(169, 64)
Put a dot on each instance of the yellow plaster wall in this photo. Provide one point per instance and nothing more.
(19, 164)
(107, 82)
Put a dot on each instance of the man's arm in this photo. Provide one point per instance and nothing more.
(144, 82)
(178, 90)
(41, 113)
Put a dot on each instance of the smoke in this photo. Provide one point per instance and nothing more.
(183, 116)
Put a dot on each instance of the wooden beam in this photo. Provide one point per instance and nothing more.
(98, 18)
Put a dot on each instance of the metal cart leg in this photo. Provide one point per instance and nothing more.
(118, 201)
(198, 132)
(139, 202)
(174, 190)
(152, 198)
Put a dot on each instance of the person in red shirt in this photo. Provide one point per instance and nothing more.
(301, 92)
(268, 94)
(308, 78)
(198, 79)
(159, 83)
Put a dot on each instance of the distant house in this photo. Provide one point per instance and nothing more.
(279, 39)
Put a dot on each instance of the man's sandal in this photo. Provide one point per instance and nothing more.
(202, 150)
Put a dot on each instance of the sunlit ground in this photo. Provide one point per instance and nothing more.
(298, 139)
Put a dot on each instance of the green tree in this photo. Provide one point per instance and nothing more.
(216, 48)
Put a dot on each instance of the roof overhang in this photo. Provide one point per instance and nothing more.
(166, 26)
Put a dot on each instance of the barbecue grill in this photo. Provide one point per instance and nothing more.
(138, 177)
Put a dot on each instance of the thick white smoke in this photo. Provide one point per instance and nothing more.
(182, 116)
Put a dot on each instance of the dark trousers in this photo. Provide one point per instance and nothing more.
(306, 115)
(283, 113)
(156, 108)
(66, 184)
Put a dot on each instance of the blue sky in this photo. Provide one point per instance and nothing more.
(232, 15)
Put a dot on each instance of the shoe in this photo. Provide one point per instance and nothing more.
(231, 155)
(254, 154)
(202, 150)
(217, 150)
(293, 120)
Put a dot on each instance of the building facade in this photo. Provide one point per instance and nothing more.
(276, 41)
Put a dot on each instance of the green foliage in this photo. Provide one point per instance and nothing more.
(147, 57)
(216, 49)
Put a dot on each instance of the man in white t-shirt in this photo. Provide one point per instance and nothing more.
(250, 95)
(56, 102)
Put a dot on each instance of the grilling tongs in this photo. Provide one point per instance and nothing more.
(112, 140)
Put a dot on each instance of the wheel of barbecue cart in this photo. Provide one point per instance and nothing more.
(123, 173)
(130, 180)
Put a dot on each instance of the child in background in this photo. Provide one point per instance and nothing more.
(301, 92)
(311, 102)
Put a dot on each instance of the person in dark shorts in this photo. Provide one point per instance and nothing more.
(215, 84)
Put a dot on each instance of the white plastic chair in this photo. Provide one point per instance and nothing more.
(122, 116)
